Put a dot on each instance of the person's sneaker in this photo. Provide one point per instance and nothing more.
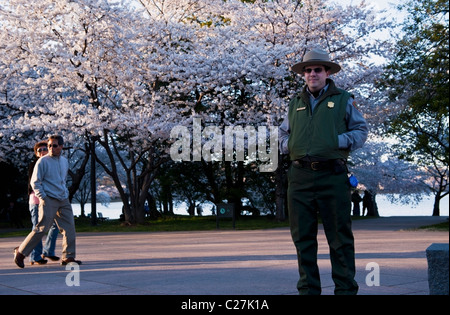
(39, 262)
(70, 260)
(18, 258)
(52, 258)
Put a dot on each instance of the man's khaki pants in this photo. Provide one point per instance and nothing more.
(53, 210)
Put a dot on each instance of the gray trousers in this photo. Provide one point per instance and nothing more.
(53, 210)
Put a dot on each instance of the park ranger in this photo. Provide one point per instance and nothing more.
(320, 130)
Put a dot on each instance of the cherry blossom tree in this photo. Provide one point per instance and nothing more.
(78, 71)
(380, 171)
(119, 76)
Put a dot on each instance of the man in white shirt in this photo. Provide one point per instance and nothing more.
(49, 185)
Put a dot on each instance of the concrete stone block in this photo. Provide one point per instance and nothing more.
(438, 278)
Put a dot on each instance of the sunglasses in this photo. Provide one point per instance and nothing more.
(316, 70)
(53, 145)
(43, 149)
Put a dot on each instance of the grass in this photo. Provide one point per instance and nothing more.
(442, 227)
(182, 223)
(168, 224)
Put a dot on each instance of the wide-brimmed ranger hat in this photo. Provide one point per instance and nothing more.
(316, 57)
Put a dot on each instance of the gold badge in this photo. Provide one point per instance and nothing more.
(330, 104)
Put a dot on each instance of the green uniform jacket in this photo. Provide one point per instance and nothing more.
(315, 133)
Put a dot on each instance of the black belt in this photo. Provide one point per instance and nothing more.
(319, 165)
(313, 165)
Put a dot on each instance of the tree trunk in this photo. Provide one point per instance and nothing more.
(436, 208)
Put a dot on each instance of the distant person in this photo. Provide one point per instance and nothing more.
(367, 203)
(146, 209)
(49, 184)
(39, 253)
(199, 210)
(356, 199)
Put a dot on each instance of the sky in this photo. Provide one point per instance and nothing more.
(382, 4)
(389, 5)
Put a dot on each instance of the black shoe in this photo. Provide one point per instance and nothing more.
(39, 262)
(18, 258)
(70, 260)
(52, 258)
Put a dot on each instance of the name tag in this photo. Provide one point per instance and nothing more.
(301, 108)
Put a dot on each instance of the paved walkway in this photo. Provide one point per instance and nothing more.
(261, 262)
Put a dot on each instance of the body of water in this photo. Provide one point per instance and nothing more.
(385, 208)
